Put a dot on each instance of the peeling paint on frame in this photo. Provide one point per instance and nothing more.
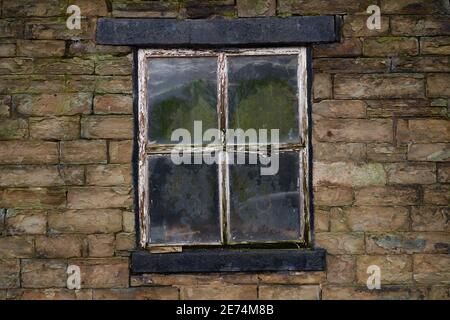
(145, 147)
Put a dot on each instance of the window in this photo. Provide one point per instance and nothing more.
(226, 202)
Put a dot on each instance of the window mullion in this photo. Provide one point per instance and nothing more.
(222, 101)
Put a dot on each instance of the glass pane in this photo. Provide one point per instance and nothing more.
(184, 202)
(263, 94)
(181, 91)
(265, 207)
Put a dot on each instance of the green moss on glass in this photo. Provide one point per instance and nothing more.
(197, 102)
(268, 103)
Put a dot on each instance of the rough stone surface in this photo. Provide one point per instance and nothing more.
(341, 243)
(386, 196)
(33, 198)
(103, 273)
(341, 269)
(349, 174)
(99, 197)
(396, 269)
(85, 221)
(353, 130)
(25, 222)
(322, 86)
(436, 85)
(380, 148)
(252, 8)
(379, 86)
(435, 45)
(41, 176)
(420, 25)
(61, 128)
(400, 173)
(429, 218)
(355, 26)
(236, 292)
(436, 194)
(52, 273)
(289, 292)
(9, 273)
(431, 269)
(101, 245)
(107, 127)
(390, 46)
(370, 219)
(152, 293)
(28, 152)
(385, 152)
(59, 246)
(16, 247)
(340, 109)
(429, 152)
(120, 151)
(113, 104)
(339, 151)
(423, 130)
(408, 242)
(108, 175)
(53, 104)
(333, 196)
(83, 151)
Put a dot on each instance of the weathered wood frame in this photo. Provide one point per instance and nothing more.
(146, 148)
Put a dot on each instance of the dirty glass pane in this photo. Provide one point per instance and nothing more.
(262, 94)
(265, 207)
(184, 202)
(181, 91)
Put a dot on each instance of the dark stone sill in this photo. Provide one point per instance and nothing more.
(227, 260)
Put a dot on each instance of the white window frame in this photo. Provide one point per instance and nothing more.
(144, 145)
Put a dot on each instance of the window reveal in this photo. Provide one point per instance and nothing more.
(224, 203)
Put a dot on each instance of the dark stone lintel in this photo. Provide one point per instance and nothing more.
(219, 32)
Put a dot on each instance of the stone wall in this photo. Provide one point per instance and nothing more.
(381, 141)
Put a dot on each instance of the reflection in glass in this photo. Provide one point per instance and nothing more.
(184, 202)
(180, 91)
(262, 94)
(265, 208)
